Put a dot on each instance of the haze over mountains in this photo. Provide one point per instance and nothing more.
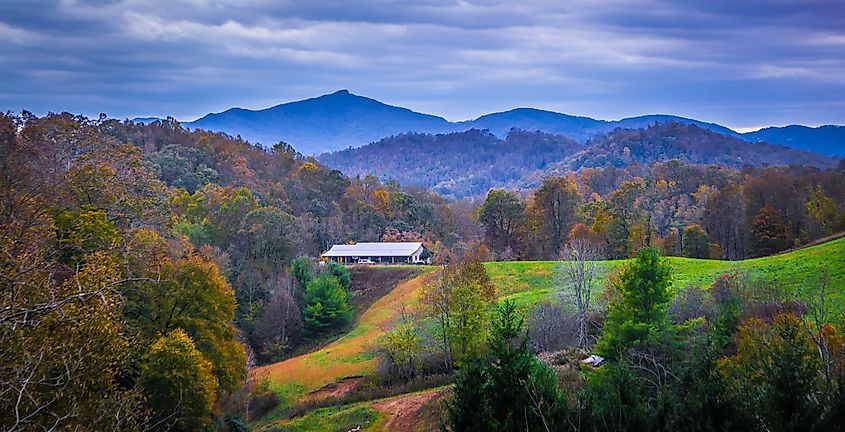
(341, 120)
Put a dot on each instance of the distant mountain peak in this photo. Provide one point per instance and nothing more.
(342, 119)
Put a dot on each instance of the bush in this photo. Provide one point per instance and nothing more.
(551, 329)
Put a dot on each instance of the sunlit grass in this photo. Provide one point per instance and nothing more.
(350, 355)
(532, 282)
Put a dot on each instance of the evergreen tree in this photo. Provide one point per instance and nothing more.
(326, 307)
(340, 273)
(637, 315)
(508, 389)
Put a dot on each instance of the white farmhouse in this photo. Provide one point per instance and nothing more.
(379, 253)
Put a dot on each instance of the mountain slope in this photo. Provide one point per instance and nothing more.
(690, 144)
(325, 123)
(829, 140)
(470, 163)
(578, 128)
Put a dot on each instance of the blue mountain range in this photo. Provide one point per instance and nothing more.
(342, 120)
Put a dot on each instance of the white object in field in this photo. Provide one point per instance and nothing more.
(593, 360)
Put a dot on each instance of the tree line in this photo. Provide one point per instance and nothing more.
(683, 210)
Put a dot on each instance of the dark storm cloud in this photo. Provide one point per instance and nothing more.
(742, 63)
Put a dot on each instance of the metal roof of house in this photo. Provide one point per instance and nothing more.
(374, 249)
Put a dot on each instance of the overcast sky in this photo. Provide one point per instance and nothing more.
(740, 63)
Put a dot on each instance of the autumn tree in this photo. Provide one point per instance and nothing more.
(774, 375)
(457, 301)
(178, 382)
(402, 347)
(769, 231)
(187, 293)
(696, 244)
(725, 221)
(623, 218)
(556, 201)
(503, 216)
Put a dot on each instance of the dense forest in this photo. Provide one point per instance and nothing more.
(458, 164)
(467, 164)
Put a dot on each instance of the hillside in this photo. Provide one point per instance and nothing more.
(527, 283)
(580, 129)
(457, 164)
(469, 163)
(688, 143)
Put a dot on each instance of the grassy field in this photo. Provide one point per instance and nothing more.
(527, 283)
(530, 282)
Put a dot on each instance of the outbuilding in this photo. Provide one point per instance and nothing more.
(379, 253)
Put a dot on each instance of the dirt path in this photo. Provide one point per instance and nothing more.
(334, 390)
(403, 411)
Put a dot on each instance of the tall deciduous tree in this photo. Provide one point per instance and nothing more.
(696, 244)
(624, 218)
(178, 382)
(457, 300)
(556, 201)
(579, 273)
(503, 216)
(769, 231)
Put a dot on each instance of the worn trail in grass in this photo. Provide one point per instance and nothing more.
(411, 412)
(346, 357)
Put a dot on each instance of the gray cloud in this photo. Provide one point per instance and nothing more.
(739, 63)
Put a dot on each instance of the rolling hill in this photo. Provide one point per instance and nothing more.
(526, 282)
(468, 163)
(340, 120)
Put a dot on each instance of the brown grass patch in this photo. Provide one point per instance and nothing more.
(347, 356)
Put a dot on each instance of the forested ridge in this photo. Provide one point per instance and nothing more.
(467, 164)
